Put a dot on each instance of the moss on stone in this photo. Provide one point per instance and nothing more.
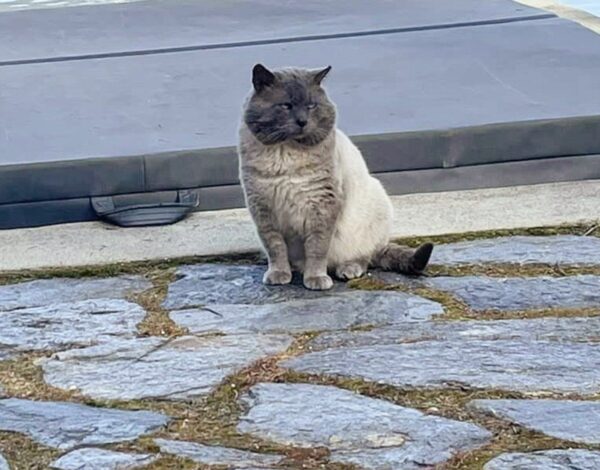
(453, 307)
(213, 419)
(523, 314)
(450, 402)
(571, 229)
(22, 378)
(157, 321)
(511, 270)
(118, 269)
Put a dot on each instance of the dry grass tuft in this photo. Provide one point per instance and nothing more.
(25, 454)
(157, 321)
(511, 270)
(22, 378)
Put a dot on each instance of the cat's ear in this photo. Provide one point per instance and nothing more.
(319, 75)
(262, 77)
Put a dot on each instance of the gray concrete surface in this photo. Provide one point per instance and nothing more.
(158, 24)
(15, 5)
(226, 232)
(148, 104)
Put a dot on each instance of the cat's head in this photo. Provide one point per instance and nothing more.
(289, 105)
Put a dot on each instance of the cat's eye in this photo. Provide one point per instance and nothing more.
(286, 105)
(311, 105)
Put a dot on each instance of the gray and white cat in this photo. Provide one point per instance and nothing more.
(315, 205)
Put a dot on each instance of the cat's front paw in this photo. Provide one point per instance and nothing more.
(348, 271)
(318, 282)
(277, 278)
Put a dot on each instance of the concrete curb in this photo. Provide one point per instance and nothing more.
(231, 232)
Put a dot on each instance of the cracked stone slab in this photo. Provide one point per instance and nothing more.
(368, 432)
(557, 249)
(81, 323)
(3, 463)
(510, 293)
(530, 358)
(487, 293)
(101, 459)
(217, 455)
(181, 368)
(576, 421)
(66, 425)
(572, 459)
(340, 311)
(210, 284)
(59, 290)
(571, 329)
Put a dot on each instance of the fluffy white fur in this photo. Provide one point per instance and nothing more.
(364, 225)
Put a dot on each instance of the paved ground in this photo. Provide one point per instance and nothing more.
(228, 232)
(489, 362)
(591, 6)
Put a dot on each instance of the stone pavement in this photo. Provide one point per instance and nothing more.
(491, 362)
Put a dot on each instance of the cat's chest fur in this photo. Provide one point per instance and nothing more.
(291, 180)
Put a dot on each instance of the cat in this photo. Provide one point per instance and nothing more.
(315, 206)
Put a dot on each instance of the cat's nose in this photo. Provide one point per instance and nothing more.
(301, 122)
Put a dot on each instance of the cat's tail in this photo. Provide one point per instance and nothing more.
(402, 259)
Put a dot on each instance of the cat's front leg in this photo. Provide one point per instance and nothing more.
(320, 225)
(279, 271)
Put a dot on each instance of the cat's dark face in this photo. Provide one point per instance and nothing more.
(289, 104)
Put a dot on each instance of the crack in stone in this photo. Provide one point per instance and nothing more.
(220, 315)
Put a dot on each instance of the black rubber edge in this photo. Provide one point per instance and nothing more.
(496, 175)
(71, 179)
(36, 214)
(396, 152)
(543, 170)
